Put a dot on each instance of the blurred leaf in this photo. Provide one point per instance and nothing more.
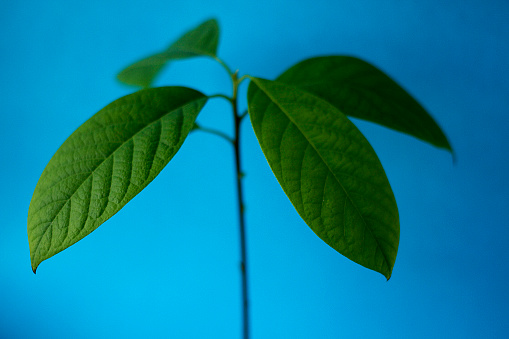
(200, 41)
(329, 172)
(105, 163)
(360, 90)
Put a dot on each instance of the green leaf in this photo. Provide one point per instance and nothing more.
(329, 171)
(105, 163)
(360, 90)
(200, 41)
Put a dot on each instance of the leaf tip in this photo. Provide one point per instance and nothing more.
(454, 157)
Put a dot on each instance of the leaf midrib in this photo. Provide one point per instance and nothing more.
(97, 166)
(333, 174)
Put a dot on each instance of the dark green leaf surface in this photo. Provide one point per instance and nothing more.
(105, 163)
(360, 90)
(329, 172)
(201, 41)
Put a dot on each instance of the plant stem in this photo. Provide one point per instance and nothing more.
(213, 131)
(240, 200)
(225, 66)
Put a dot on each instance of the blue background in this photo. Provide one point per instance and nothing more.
(167, 265)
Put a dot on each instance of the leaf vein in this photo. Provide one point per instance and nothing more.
(323, 160)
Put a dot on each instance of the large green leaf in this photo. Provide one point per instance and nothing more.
(105, 163)
(200, 41)
(362, 91)
(329, 172)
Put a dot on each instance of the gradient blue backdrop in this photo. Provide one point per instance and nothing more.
(167, 265)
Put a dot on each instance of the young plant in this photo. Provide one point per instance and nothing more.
(324, 164)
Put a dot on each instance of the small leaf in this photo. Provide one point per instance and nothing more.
(360, 90)
(105, 163)
(329, 171)
(201, 41)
